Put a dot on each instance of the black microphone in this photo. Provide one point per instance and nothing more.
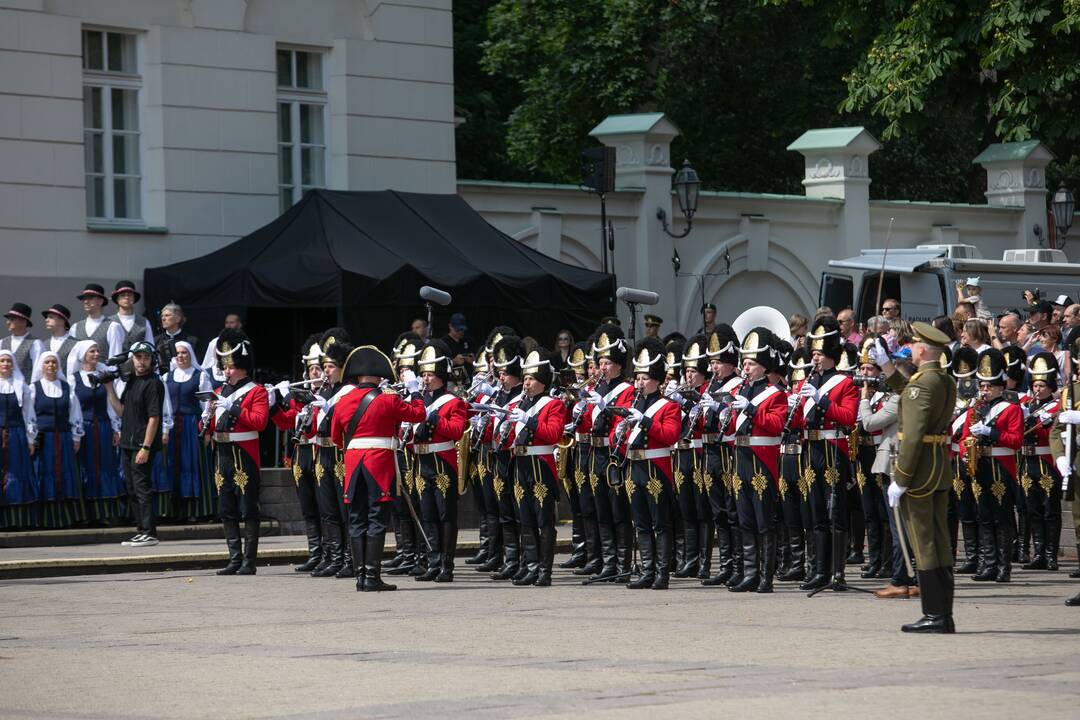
(639, 297)
(434, 295)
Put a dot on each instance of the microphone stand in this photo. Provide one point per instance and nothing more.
(430, 313)
(633, 321)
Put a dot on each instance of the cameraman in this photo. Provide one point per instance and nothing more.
(140, 408)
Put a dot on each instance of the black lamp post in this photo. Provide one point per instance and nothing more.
(1064, 207)
(687, 185)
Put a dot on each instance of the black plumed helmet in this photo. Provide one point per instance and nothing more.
(649, 358)
(507, 355)
(234, 349)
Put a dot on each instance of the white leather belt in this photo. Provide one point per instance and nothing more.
(373, 443)
(1031, 451)
(996, 452)
(693, 444)
(652, 454)
(596, 441)
(752, 441)
(728, 438)
(712, 437)
(522, 450)
(227, 437)
(823, 435)
(582, 437)
(791, 448)
(324, 442)
(429, 448)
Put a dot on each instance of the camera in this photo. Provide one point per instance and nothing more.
(874, 383)
(116, 367)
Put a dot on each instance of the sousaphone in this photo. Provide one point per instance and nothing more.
(762, 316)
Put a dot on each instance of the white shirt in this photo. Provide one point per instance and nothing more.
(119, 330)
(55, 343)
(21, 391)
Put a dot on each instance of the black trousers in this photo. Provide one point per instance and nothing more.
(304, 477)
(687, 466)
(718, 485)
(616, 509)
(650, 497)
(831, 471)
(140, 490)
(502, 488)
(1042, 486)
(369, 510)
(573, 495)
(329, 475)
(584, 482)
(966, 507)
(485, 468)
(873, 487)
(794, 494)
(437, 486)
(995, 493)
(535, 491)
(755, 493)
(237, 479)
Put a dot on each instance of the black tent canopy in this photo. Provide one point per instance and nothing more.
(360, 258)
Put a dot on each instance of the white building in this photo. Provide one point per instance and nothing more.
(136, 133)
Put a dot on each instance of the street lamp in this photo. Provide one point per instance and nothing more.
(687, 184)
(1064, 207)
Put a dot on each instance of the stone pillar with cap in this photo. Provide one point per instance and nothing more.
(1016, 178)
(642, 145)
(837, 166)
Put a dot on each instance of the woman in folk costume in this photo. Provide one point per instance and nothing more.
(99, 460)
(56, 436)
(17, 481)
(187, 465)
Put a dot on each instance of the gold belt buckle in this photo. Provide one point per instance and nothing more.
(814, 435)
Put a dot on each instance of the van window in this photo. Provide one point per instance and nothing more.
(836, 291)
(867, 307)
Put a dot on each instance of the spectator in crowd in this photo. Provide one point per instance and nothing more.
(964, 312)
(419, 326)
(462, 347)
(172, 332)
(890, 309)
(1060, 304)
(1050, 338)
(217, 377)
(1039, 314)
(652, 325)
(797, 325)
(564, 343)
(975, 335)
(1071, 316)
(971, 293)
(1006, 330)
(822, 312)
(848, 330)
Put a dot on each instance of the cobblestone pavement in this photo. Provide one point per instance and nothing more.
(192, 645)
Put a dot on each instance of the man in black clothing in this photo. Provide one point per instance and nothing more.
(139, 407)
(462, 347)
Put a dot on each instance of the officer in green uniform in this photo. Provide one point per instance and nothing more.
(922, 476)
(1066, 460)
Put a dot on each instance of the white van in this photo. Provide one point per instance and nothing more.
(924, 279)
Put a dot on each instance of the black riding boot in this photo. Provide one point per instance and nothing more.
(624, 548)
(531, 566)
(594, 561)
(737, 568)
(360, 557)
(1038, 544)
(1022, 540)
(1005, 551)
(750, 578)
(251, 547)
(314, 546)
(546, 555)
(820, 577)
(647, 548)
(935, 595)
(691, 552)
(768, 551)
(332, 551)
(449, 549)
(348, 570)
(1053, 539)
(406, 561)
(678, 534)
(663, 552)
(609, 550)
(873, 546)
(434, 556)
(725, 566)
(797, 547)
(511, 553)
(481, 555)
(577, 544)
(235, 546)
(373, 550)
(839, 542)
(857, 525)
(494, 555)
(970, 532)
(705, 542)
(988, 555)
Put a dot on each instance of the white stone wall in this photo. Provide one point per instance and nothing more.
(208, 115)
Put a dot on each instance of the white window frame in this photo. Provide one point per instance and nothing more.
(294, 97)
(107, 81)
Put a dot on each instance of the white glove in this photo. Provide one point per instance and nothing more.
(979, 429)
(486, 389)
(710, 403)
(517, 415)
(596, 399)
(1069, 417)
(676, 397)
(271, 396)
(670, 387)
(412, 384)
(740, 403)
(282, 387)
(895, 491)
(224, 403)
(578, 407)
(878, 354)
(1044, 417)
(793, 400)
(1026, 410)
(568, 428)
(808, 391)
(1063, 467)
(635, 415)
(320, 402)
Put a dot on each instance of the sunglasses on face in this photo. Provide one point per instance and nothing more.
(890, 308)
(564, 338)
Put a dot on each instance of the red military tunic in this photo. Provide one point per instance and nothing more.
(664, 431)
(548, 429)
(381, 420)
(841, 408)
(254, 414)
(450, 426)
(768, 421)
(1008, 431)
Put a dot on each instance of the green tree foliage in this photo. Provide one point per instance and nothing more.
(936, 80)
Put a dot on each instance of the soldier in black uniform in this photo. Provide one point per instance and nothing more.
(508, 352)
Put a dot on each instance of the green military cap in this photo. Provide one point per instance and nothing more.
(653, 320)
(929, 335)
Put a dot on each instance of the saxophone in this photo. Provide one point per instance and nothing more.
(969, 445)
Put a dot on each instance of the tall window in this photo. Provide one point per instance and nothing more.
(301, 124)
(111, 85)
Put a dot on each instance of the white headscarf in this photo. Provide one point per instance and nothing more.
(195, 368)
(16, 383)
(39, 373)
(78, 354)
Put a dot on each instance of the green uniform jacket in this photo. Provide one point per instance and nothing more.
(926, 406)
(1057, 432)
